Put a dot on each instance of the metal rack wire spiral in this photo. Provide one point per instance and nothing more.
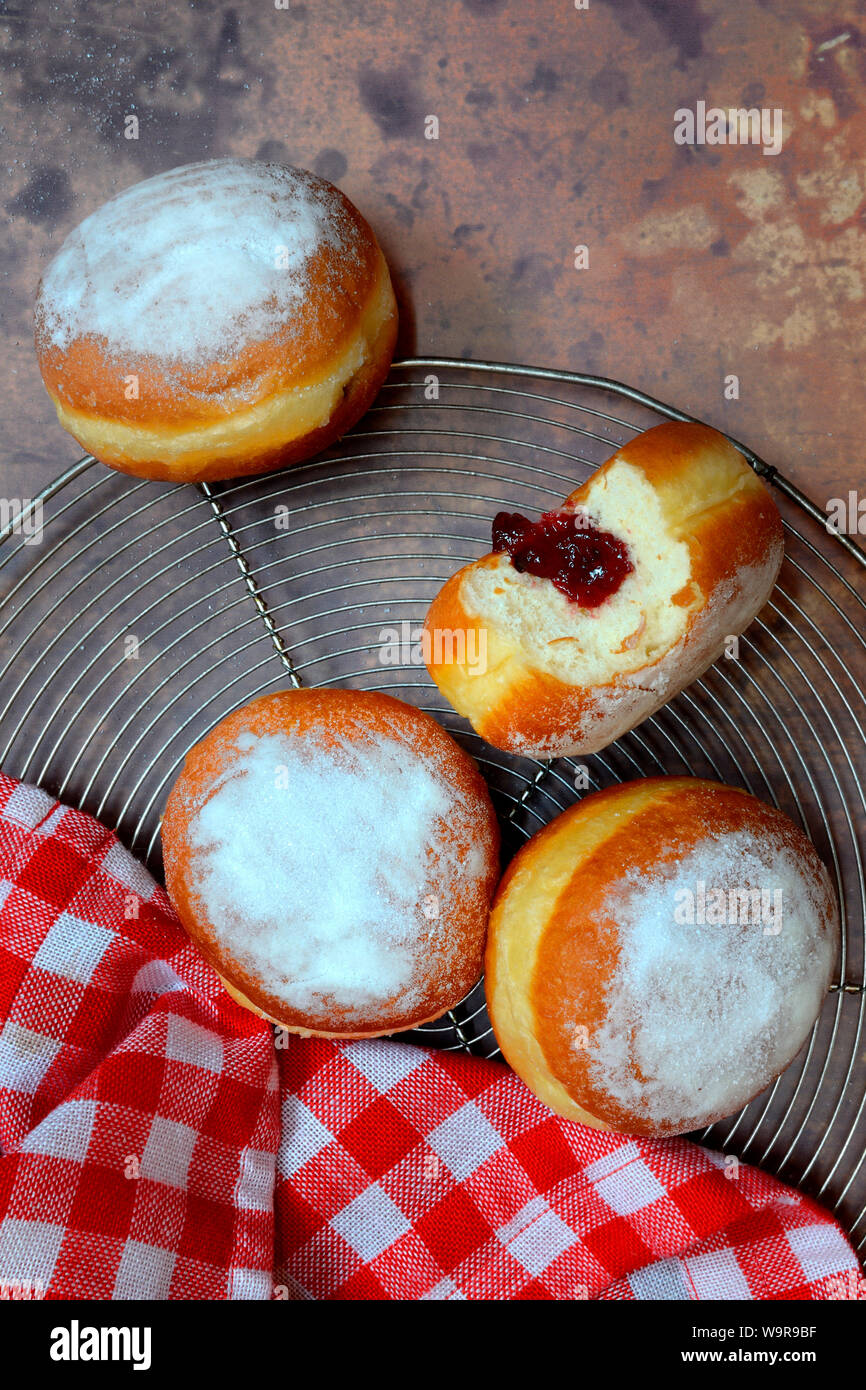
(148, 611)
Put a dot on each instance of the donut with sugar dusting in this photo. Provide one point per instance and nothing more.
(333, 854)
(223, 318)
(590, 619)
(659, 953)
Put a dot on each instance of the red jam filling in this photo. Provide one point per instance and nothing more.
(585, 564)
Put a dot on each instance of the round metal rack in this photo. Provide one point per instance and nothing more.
(134, 615)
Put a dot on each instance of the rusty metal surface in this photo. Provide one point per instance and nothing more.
(555, 130)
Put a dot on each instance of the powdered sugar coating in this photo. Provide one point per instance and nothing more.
(701, 1014)
(333, 875)
(195, 263)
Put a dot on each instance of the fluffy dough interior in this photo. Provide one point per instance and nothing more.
(627, 631)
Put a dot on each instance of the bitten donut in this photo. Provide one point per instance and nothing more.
(333, 853)
(220, 319)
(583, 623)
(658, 954)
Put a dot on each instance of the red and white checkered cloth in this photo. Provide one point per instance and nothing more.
(158, 1142)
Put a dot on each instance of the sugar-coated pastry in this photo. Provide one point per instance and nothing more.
(220, 319)
(334, 853)
(583, 623)
(658, 954)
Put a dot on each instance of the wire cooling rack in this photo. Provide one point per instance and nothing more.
(149, 611)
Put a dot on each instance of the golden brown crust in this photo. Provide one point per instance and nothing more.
(245, 1003)
(552, 947)
(269, 451)
(322, 716)
(191, 422)
(88, 376)
(510, 704)
(713, 501)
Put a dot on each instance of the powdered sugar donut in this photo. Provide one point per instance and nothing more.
(659, 953)
(222, 318)
(334, 853)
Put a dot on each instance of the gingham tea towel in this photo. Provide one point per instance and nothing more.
(158, 1141)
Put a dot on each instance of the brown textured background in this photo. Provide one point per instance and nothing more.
(556, 128)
